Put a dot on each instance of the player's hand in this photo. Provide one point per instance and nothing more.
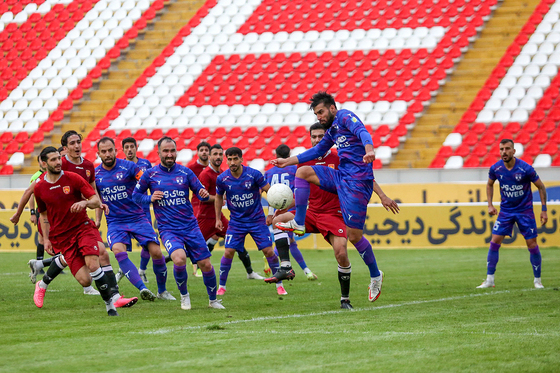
(48, 247)
(203, 193)
(280, 212)
(98, 223)
(390, 205)
(544, 217)
(492, 211)
(105, 209)
(269, 219)
(15, 219)
(156, 196)
(78, 207)
(369, 157)
(279, 162)
(33, 219)
(219, 225)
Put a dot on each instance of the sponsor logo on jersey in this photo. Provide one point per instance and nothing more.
(66, 190)
(54, 187)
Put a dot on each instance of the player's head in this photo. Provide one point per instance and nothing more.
(106, 151)
(202, 150)
(72, 143)
(129, 146)
(316, 133)
(324, 107)
(62, 151)
(51, 157)
(216, 155)
(167, 151)
(507, 150)
(234, 158)
(283, 151)
(41, 163)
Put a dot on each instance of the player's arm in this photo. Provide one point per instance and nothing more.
(205, 180)
(197, 188)
(356, 126)
(23, 201)
(542, 193)
(489, 195)
(104, 207)
(218, 203)
(387, 202)
(32, 217)
(46, 228)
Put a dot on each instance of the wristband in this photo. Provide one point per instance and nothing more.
(543, 208)
(32, 211)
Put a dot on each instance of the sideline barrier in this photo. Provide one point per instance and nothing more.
(456, 225)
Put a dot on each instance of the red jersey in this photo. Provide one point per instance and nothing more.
(320, 201)
(57, 198)
(208, 178)
(85, 169)
(197, 168)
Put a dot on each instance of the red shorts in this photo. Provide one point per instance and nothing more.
(208, 227)
(79, 243)
(325, 224)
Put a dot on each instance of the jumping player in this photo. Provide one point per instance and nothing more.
(286, 176)
(169, 184)
(207, 214)
(353, 181)
(67, 228)
(242, 186)
(115, 180)
(515, 177)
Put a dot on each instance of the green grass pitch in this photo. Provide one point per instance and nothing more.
(429, 318)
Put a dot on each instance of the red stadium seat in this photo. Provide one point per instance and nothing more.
(471, 161)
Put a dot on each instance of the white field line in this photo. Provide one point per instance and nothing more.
(333, 312)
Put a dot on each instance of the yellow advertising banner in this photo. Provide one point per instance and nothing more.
(416, 226)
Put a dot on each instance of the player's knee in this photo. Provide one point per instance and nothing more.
(268, 252)
(532, 243)
(205, 265)
(355, 236)
(229, 253)
(305, 172)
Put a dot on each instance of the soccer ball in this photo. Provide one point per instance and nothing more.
(279, 196)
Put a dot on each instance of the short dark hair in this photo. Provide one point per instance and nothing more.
(67, 134)
(216, 146)
(60, 149)
(321, 97)
(129, 139)
(105, 139)
(163, 139)
(234, 151)
(46, 151)
(505, 141)
(316, 126)
(283, 151)
(203, 143)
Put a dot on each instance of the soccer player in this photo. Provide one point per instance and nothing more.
(169, 184)
(116, 180)
(286, 176)
(197, 165)
(353, 181)
(242, 186)
(515, 177)
(67, 228)
(34, 216)
(207, 214)
(130, 148)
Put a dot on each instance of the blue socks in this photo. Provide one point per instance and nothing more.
(180, 273)
(535, 258)
(273, 263)
(302, 197)
(144, 259)
(225, 266)
(209, 279)
(130, 270)
(160, 270)
(366, 252)
(493, 257)
(296, 254)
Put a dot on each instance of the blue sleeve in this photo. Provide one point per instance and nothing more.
(195, 185)
(315, 152)
(492, 174)
(355, 125)
(139, 194)
(259, 178)
(532, 174)
(268, 176)
(220, 187)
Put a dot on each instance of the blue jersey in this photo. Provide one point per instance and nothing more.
(515, 185)
(115, 187)
(144, 165)
(243, 196)
(350, 136)
(284, 175)
(174, 210)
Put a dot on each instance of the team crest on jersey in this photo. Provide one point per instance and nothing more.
(248, 184)
(119, 175)
(179, 179)
(518, 177)
(88, 173)
(66, 190)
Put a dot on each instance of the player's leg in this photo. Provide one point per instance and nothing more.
(41, 286)
(298, 256)
(144, 260)
(105, 262)
(130, 271)
(171, 244)
(40, 255)
(179, 257)
(340, 249)
(209, 278)
(225, 267)
(102, 281)
(503, 227)
(158, 263)
(528, 228)
(282, 243)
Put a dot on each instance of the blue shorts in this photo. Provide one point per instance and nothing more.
(190, 240)
(354, 195)
(525, 222)
(141, 231)
(235, 236)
